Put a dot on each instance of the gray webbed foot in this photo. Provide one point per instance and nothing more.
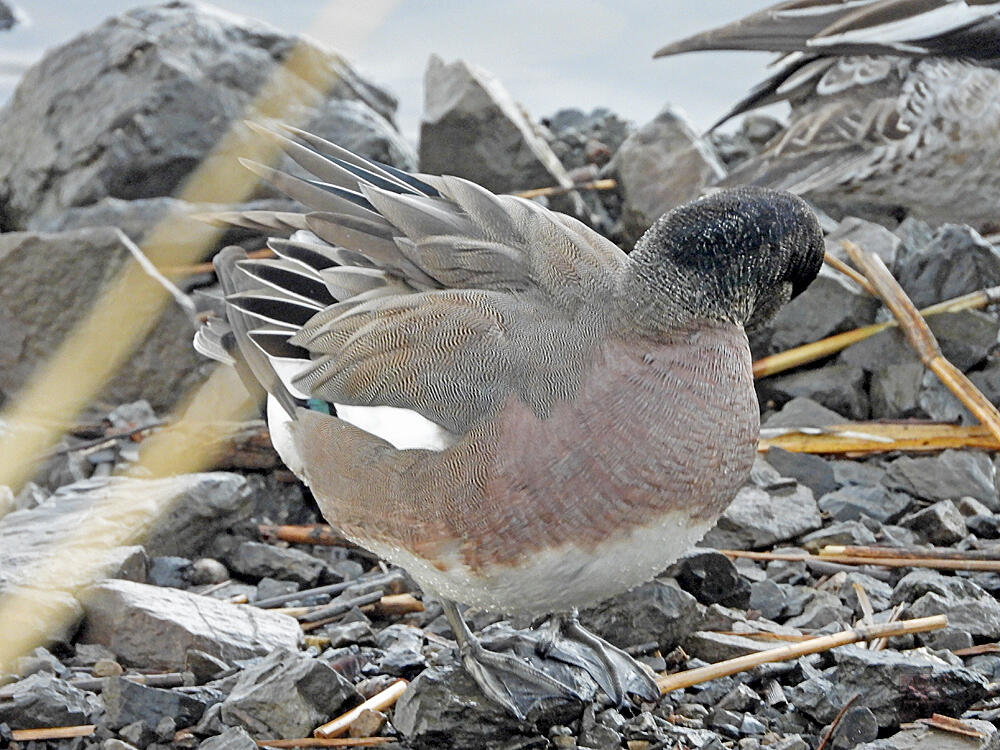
(504, 678)
(614, 671)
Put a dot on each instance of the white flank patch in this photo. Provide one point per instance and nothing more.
(279, 425)
(403, 428)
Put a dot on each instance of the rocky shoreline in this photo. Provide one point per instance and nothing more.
(234, 617)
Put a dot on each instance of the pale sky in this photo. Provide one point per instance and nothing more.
(548, 53)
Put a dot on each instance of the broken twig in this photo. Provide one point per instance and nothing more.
(378, 702)
(666, 683)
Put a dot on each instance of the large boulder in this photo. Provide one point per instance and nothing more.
(662, 165)
(473, 128)
(131, 107)
(50, 282)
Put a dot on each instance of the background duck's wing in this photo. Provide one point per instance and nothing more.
(953, 28)
(424, 293)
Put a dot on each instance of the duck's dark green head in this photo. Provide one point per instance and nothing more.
(736, 255)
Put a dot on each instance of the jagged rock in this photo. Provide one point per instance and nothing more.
(939, 524)
(473, 128)
(879, 593)
(35, 314)
(8, 15)
(852, 501)
(839, 387)
(856, 726)
(841, 533)
(831, 304)
(443, 709)
(656, 611)
(955, 262)
(713, 647)
(256, 560)
(759, 518)
(966, 336)
(130, 108)
(177, 515)
(873, 237)
(660, 166)
(895, 390)
(924, 738)
(812, 471)
(147, 626)
(803, 412)
(286, 695)
(768, 598)
(44, 700)
(821, 609)
(952, 474)
(711, 578)
(233, 738)
(966, 604)
(128, 702)
(580, 138)
(895, 686)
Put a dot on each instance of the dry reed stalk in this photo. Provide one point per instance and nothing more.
(991, 566)
(666, 683)
(314, 533)
(52, 733)
(605, 184)
(922, 339)
(816, 350)
(327, 742)
(870, 437)
(378, 702)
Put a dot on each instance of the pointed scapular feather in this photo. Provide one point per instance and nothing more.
(418, 216)
(276, 344)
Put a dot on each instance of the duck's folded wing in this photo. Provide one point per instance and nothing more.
(426, 293)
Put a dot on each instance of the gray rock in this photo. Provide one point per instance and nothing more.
(940, 524)
(127, 702)
(924, 738)
(233, 738)
(812, 471)
(148, 626)
(987, 380)
(129, 108)
(353, 124)
(840, 533)
(256, 560)
(168, 571)
(176, 516)
(856, 726)
(473, 128)
(879, 593)
(768, 598)
(34, 320)
(957, 261)
(895, 686)
(662, 165)
(757, 518)
(713, 647)
(9, 15)
(712, 578)
(820, 609)
(940, 404)
(873, 237)
(286, 695)
(44, 700)
(839, 387)
(966, 336)
(443, 709)
(656, 611)
(952, 474)
(887, 348)
(979, 616)
(831, 304)
(853, 501)
(895, 390)
(803, 412)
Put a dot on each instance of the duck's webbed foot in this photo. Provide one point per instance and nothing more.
(614, 671)
(505, 678)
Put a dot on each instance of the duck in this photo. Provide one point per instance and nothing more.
(894, 110)
(497, 398)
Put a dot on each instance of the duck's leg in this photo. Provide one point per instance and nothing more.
(615, 672)
(504, 678)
